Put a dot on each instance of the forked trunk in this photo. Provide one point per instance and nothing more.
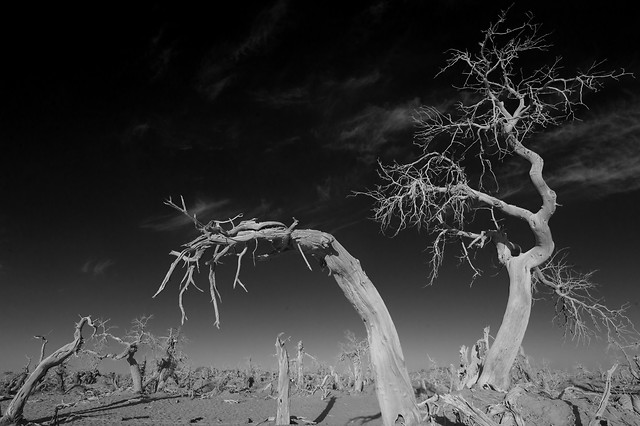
(393, 387)
(503, 352)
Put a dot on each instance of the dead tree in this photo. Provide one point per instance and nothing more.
(16, 383)
(61, 372)
(168, 362)
(452, 188)
(283, 416)
(136, 336)
(14, 413)
(356, 352)
(225, 238)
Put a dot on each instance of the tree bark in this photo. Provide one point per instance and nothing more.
(503, 353)
(16, 407)
(283, 416)
(358, 380)
(134, 368)
(501, 356)
(135, 374)
(300, 366)
(393, 387)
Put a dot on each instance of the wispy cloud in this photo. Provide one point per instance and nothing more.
(602, 155)
(284, 98)
(97, 268)
(220, 68)
(203, 209)
(590, 159)
(368, 130)
(356, 83)
(263, 29)
(318, 92)
(213, 90)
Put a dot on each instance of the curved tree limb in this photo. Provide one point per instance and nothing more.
(393, 386)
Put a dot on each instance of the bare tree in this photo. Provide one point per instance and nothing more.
(136, 336)
(169, 360)
(16, 407)
(263, 240)
(451, 188)
(355, 351)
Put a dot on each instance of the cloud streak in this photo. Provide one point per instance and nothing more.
(221, 67)
(372, 127)
(263, 30)
(202, 209)
(97, 268)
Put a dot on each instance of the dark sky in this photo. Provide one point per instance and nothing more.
(279, 109)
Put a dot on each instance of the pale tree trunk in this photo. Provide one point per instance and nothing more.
(283, 416)
(336, 378)
(134, 368)
(393, 387)
(358, 380)
(135, 374)
(502, 354)
(16, 407)
(300, 366)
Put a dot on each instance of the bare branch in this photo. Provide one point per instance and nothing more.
(225, 238)
(502, 104)
(578, 311)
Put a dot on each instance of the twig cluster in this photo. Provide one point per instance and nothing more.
(445, 188)
(224, 238)
(578, 311)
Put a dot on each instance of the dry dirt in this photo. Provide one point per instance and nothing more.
(222, 409)
(535, 408)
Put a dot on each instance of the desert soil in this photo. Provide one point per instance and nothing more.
(122, 408)
(223, 409)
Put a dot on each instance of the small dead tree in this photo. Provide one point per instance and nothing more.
(264, 240)
(14, 413)
(61, 372)
(16, 383)
(135, 337)
(356, 352)
(451, 188)
(283, 416)
(168, 361)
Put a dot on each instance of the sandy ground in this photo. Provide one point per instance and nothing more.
(223, 409)
(122, 408)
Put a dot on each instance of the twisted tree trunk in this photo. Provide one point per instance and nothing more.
(502, 354)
